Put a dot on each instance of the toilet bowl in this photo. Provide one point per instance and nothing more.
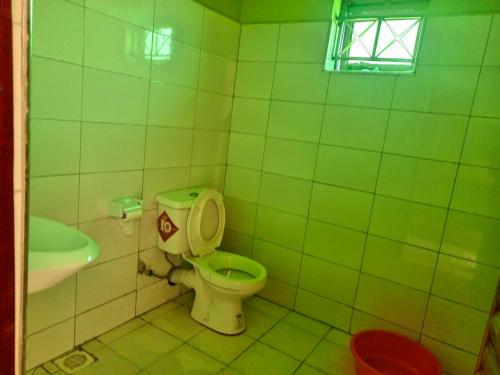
(191, 223)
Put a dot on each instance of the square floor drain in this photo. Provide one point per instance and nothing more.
(74, 361)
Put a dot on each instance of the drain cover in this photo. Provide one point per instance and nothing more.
(74, 361)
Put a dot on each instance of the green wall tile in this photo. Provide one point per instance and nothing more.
(453, 360)
(482, 145)
(477, 190)
(447, 42)
(398, 262)
(285, 193)
(299, 121)
(334, 244)
(319, 276)
(272, 256)
(454, 324)
(362, 321)
(111, 97)
(260, 11)
(323, 309)
(492, 54)
(465, 282)
(116, 46)
(216, 74)
(258, 42)
(44, 191)
(209, 147)
(237, 243)
(413, 223)
(242, 184)
(167, 147)
(357, 90)
(437, 89)
(183, 20)
(250, 116)
(279, 292)
(157, 181)
(486, 100)
(97, 189)
(280, 227)
(102, 147)
(395, 303)
(254, 79)
(209, 176)
(347, 167)
(345, 207)
(57, 30)
(452, 7)
(171, 105)
(290, 158)
(425, 135)
(418, 180)
(213, 111)
(246, 150)
(303, 42)
(54, 147)
(56, 89)
(174, 62)
(240, 216)
(472, 237)
(229, 8)
(140, 14)
(220, 35)
(300, 82)
(354, 127)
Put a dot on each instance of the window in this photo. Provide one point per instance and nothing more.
(376, 44)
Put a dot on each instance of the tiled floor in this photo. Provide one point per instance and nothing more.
(166, 341)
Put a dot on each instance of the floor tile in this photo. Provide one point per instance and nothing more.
(186, 299)
(186, 360)
(109, 362)
(50, 368)
(291, 340)
(308, 370)
(229, 371)
(257, 322)
(179, 323)
(339, 337)
(221, 347)
(145, 345)
(332, 359)
(267, 307)
(121, 330)
(159, 311)
(92, 346)
(262, 359)
(306, 324)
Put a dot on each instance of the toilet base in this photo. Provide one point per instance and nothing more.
(221, 312)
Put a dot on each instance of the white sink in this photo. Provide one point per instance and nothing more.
(55, 252)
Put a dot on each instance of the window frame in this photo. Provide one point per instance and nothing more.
(337, 42)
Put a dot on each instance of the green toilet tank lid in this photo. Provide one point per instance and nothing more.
(179, 198)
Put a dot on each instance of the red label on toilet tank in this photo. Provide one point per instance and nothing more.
(166, 227)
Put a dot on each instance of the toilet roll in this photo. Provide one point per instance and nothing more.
(127, 221)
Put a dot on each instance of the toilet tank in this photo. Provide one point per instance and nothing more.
(171, 221)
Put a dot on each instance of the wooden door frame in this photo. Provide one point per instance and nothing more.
(7, 265)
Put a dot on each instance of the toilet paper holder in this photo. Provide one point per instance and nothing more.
(126, 210)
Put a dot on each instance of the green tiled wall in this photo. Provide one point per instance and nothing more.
(229, 8)
(372, 200)
(128, 98)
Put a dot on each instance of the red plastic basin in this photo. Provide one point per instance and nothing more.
(378, 352)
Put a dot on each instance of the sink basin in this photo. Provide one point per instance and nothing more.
(55, 252)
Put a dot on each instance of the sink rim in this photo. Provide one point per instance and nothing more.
(46, 267)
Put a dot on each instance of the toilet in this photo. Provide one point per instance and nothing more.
(191, 223)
